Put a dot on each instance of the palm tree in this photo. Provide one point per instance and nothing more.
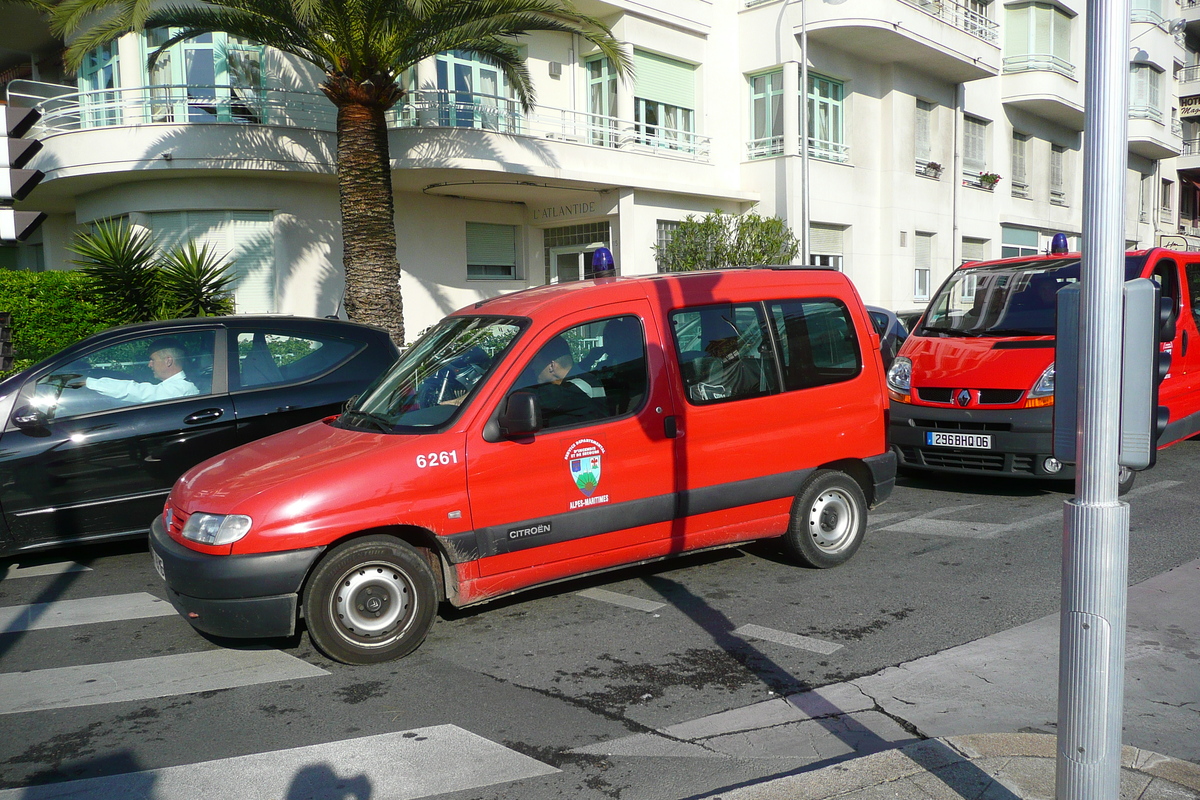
(362, 46)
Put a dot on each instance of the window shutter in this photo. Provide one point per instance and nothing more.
(1042, 22)
(825, 239)
(974, 250)
(922, 132)
(1062, 36)
(1016, 29)
(974, 143)
(250, 240)
(1018, 158)
(924, 250)
(1056, 167)
(491, 245)
(664, 80)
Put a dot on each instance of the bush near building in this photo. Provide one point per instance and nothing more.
(50, 310)
(725, 240)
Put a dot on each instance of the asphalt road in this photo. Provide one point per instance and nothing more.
(99, 678)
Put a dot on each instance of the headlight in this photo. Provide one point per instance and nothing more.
(216, 528)
(899, 377)
(1045, 384)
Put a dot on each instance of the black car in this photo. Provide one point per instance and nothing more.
(891, 330)
(95, 436)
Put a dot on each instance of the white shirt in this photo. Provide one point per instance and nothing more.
(137, 392)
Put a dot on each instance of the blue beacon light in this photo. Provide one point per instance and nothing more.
(1058, 244)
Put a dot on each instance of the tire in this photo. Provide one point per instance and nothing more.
(1125, 479)
(370, 600)
(829, 520)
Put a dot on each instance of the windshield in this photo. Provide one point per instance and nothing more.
(434, 377)
(1011, 299)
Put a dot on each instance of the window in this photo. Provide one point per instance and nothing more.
(259, 358)
(491, 251)
(1147, 11)
(588, 373)
(1145, 196)
(665, 231)
(826, 133)
(1145, 92)
(1018, 242)
(1058, 180)
(98, 77)
(474, 94)
(816, 341)
(1166, 200)
(150, 369)
(722, 353)
(923, 133)
(766, 114)
(1020, 149)
(664, 101)
(924, 265)
(974, 145)
(1038, 37)
(825, 245)
(247, 237)
(602, 101)
(213, 77)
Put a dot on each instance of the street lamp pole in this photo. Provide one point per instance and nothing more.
(805, 244)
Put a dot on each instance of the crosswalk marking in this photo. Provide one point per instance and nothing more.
(40, 570)
(62, 613)
(624, 600)
(398, 766)
(787, 639)
(141, 679)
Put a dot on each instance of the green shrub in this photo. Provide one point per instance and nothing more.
(725, 240)
(50, 310)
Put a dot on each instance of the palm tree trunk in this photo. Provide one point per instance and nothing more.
(368, 222)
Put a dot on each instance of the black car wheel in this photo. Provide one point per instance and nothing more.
(829, 520)
(370, 600)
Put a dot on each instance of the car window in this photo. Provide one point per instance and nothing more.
(1193, 281)
(590, 372)
(140, 371)
(264, 358)
(724, 353)
(817, 342)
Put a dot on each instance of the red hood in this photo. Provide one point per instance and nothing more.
(970, 363)
(302, 485)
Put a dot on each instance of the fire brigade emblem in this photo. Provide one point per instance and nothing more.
(584, 458)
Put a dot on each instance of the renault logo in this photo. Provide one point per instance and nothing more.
(963, 398)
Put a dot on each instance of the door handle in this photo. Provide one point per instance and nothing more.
(285, 408)
(207, 415)
(1185, 344)
(671, 427)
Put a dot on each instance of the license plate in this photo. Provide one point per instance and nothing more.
(158, 565)
(973, 441)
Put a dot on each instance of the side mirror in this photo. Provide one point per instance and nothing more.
(522, 415)
(30, 418)
(349, 402)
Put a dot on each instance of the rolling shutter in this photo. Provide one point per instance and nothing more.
(664, 80)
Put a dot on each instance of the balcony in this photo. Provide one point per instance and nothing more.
(1189, 157)
(65, 111)
(941, 38)
(1149, 137)
(1044, 86)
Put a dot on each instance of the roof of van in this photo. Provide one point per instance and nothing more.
(987, 262)
(688, 287)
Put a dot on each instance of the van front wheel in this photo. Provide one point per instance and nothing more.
(370, 600)
(829, 520)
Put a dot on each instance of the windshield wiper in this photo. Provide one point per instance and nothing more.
(1016, 332)
(951, 331)
(380, 422)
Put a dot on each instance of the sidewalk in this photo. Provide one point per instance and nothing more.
(1002, 766)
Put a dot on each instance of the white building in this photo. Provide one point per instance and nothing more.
(912, 104)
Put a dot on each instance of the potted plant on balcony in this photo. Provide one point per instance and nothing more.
(988, 180)
(932, 169)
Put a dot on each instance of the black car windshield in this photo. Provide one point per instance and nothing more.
(434, 377)
(1014, 298)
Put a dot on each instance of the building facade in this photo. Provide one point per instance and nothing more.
(937, 132)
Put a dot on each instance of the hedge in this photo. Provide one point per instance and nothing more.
(50, 310)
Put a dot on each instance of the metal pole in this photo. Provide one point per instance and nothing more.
(805, 226)
(1091, 678)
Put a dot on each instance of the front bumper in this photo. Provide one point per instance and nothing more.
(1022, 440)
(243, 596)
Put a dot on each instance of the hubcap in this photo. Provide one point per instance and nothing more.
(832, 521)
(373, 604)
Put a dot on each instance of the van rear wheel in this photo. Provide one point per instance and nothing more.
(829, 520)
(370, 600)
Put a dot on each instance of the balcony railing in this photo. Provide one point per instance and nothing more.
(1039, 61)
(765, 147)
(70, 110)
(960, 17)
(1191, 147)
(1188, 74)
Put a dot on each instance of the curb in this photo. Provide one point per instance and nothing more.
(1013, 765)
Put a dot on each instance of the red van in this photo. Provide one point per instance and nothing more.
(545, 434)
(972, 389)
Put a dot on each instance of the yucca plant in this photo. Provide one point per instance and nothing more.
(196, 282)
(121, 261)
